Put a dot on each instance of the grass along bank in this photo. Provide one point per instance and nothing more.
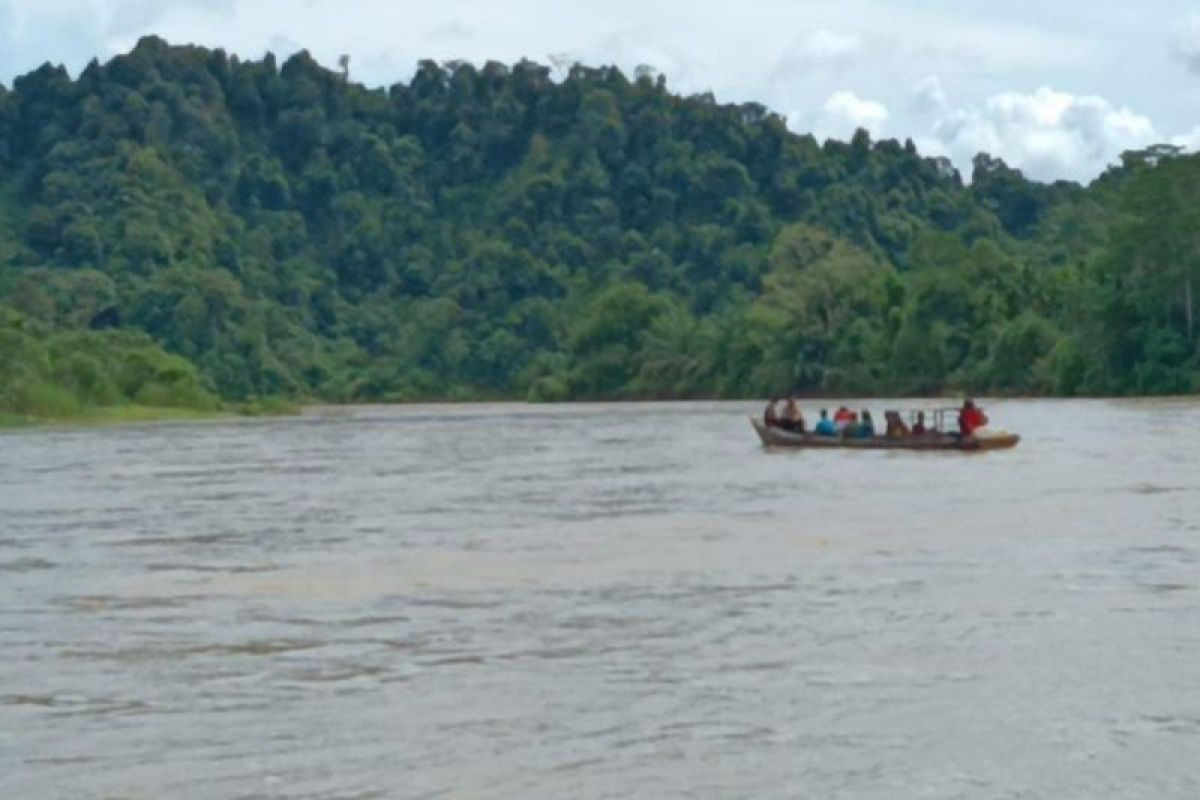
(110, 415)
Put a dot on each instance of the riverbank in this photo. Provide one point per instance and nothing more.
(110, 415)
(127, 414)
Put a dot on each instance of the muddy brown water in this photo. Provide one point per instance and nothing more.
(600, 601)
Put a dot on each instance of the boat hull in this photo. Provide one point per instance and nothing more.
(777, 437)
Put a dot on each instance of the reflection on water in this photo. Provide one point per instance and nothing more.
(599, 601)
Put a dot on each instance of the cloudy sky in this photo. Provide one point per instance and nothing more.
(1056, 87)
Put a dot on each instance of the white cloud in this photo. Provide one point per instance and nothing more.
(823, 45)
(841, 115)
(1188, 141)
(72, 32)
(987, 47)
(813, 60)
(132, 17)
(32, 35)
(450, 31)
(1187, 43)
(850, 108)
(1047, 133)
(929, 97)
(630, 48)
(786, 54)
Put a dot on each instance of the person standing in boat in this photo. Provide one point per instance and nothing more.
(971, 418)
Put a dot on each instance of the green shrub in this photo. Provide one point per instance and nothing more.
(548, 390)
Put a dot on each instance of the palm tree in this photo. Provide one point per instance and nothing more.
(676, 356)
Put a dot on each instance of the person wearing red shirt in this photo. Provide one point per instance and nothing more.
(971, 418)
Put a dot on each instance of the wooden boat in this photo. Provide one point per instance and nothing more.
(777, 437)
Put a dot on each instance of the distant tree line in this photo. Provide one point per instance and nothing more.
(248, 229)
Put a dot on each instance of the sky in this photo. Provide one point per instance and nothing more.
(1058, 88)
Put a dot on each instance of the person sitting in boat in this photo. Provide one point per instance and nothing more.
(971, 418)
(918, 428)
(859, 428)
(896, 429)
(825, 426)
(848, 429)
(841, 418)
(770, 415)
(792, 419)
(866, 428)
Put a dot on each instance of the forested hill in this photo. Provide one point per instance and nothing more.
(178, 225)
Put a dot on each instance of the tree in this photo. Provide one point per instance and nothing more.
(486, 231)
(818, 287)
(1161, 244)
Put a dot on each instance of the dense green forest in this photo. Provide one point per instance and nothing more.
(180, 227)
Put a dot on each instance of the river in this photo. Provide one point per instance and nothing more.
(599, 601)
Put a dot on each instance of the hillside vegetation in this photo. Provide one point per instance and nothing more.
(179, 227)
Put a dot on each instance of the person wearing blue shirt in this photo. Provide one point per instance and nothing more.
(866, 428)
(825, 426)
